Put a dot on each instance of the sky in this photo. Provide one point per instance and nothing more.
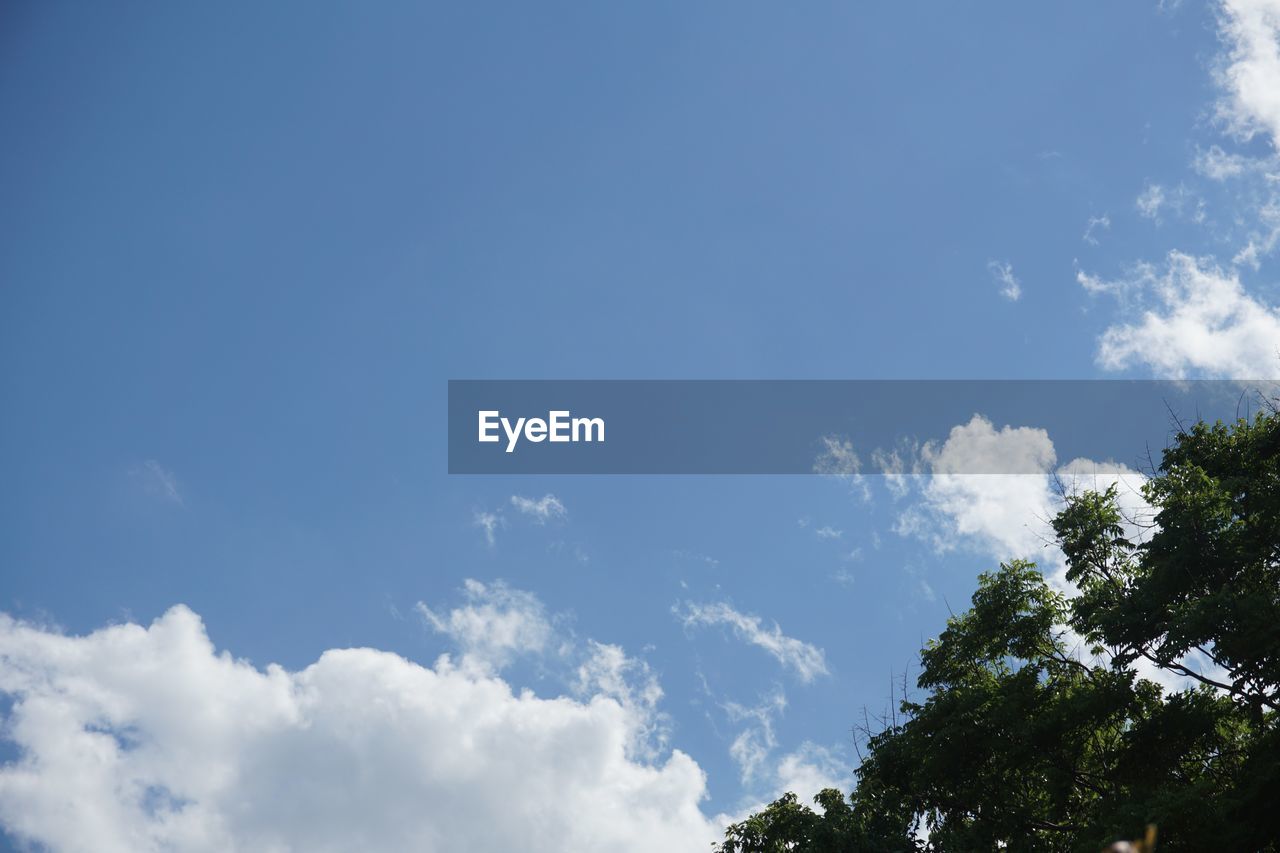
(243, 249)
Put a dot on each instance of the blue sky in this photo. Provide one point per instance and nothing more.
(243, 250)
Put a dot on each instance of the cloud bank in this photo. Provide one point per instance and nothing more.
(140, 738)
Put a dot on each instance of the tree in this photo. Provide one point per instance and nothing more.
(1037, 733)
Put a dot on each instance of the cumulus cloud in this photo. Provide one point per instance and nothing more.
(990, 513)
(1002, 272)
(1002, 516)
(805, 660)
(140, 738)
(979, 446)
(1200, 321)
(1001, 512)
(494, 625)
(1250, 72)
(542, 510)
(1006, 515)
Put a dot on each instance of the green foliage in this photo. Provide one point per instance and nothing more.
(1036, 734)
(787, 825)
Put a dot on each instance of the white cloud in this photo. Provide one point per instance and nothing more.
(496, 625)
(608, 671)
(750, 750)
(1263, 240)
(1006, 516)
(1250, 73)
(1189, 316)
(807, 661)
(926, 591)
(803, 771)
(1081, 475)
(1150, 201)
(1202, 323)
(1122, 289)
(694, 557)
(979, 446)
(542, 510)
(159, 481)
(1002, 272)
(809, 769)
(490, 523)
(893, 464)
(838, 459)
(765, 776)
(146, 738)
(1094, 224)
(1000, 512)
(828, 532)
(1218, 165)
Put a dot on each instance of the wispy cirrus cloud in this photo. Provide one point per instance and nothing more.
(1002, 272)
(159, 481)
(495, 625)
(1093, 226)
(752, 746)
(1150, 201)
(805, 660)
(836, 458)
(489, 523)
(541, 510)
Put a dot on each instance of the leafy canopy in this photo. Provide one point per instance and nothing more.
(1037, 734)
